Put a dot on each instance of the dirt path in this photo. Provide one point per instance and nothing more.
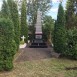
(28, 54)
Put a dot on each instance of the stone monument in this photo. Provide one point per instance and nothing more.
(38, 26)
(38, 41)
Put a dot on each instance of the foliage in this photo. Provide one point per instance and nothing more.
(48, 26)
(59, 37)
(15, 18)
(7, 44)
(71, 13)
(32, 7)
(5, 12)
(24, 27)
(72, 43)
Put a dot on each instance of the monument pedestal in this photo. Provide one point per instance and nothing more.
(38, 42)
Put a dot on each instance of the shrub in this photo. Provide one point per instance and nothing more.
(72, 44)
(7, 44)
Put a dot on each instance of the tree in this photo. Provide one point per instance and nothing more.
(15, 18)
(24, 27)
(59, 37)
(7, 44)
(48, 26)
(75, 16)
(71, 13)
(5, 12)
(34, 5)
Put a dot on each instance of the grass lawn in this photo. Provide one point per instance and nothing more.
(43, 68)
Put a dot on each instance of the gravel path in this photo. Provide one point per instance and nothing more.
(29, 54)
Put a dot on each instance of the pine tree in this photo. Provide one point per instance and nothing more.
(24, 27)
(59, 31)
(15, 18)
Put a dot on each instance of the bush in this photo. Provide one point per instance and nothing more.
(7, 44)
(72, 44)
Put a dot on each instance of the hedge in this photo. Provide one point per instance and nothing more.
(71, 49)
(7, 44)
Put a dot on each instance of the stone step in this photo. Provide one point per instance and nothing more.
(36, 46)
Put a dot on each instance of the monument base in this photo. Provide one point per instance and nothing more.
(38, 42)
(38, 45)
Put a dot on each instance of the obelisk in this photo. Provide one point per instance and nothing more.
(38, 40)
(38, 26)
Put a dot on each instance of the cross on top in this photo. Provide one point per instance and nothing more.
(23, 38)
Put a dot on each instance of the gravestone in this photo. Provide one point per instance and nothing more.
(23, 38)
(38, 41)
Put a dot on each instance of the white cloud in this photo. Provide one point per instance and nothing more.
(55, 1)
(53, 9)
(0, 5)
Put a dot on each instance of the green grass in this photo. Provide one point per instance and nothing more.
(22, 42)
(43, 68)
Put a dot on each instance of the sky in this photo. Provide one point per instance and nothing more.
(54, 9)
(0, 3)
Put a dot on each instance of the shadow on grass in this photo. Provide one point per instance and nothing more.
(62, 56)
(71, 68)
